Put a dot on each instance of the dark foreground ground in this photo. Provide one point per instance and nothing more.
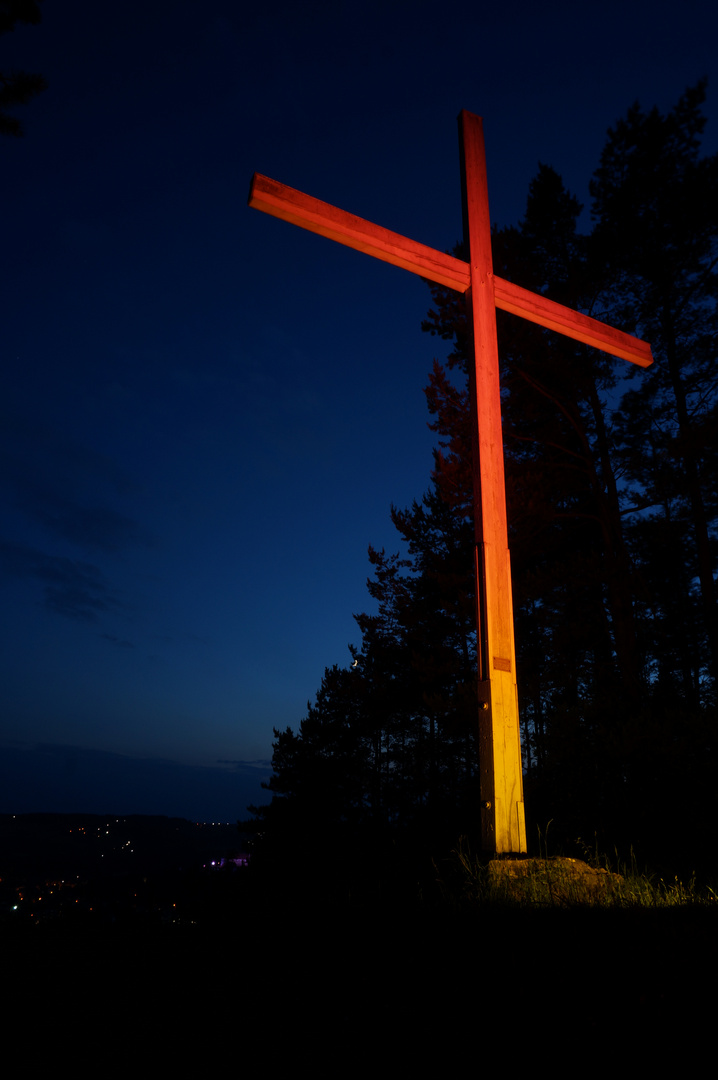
(269, 980)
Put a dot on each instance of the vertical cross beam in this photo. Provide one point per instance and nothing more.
(503, 827)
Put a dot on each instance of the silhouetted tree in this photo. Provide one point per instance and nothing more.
(655, 202)
(17, 87)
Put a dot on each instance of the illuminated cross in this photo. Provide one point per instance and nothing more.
(502, 814)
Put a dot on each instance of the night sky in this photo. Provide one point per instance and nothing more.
(207, 413)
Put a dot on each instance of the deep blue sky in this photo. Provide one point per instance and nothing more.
(206, 413)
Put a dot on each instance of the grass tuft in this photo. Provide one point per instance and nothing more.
(559, 882)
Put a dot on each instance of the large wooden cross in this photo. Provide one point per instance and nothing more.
(502, 815)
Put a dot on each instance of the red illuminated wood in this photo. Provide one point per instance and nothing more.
(502, 803)
(570, 323)
(320, 217)
(502, 814)
(312, 214)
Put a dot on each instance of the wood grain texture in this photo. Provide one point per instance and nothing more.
(352, 231)
(502, 813)
(282, 201)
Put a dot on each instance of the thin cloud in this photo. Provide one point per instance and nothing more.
(74, 589)
(87, 524)
(121, 643)
(68, 488)
(258, 763)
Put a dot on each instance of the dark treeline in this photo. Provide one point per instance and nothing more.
(613, 505)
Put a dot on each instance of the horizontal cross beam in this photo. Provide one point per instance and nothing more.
(286, 203)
